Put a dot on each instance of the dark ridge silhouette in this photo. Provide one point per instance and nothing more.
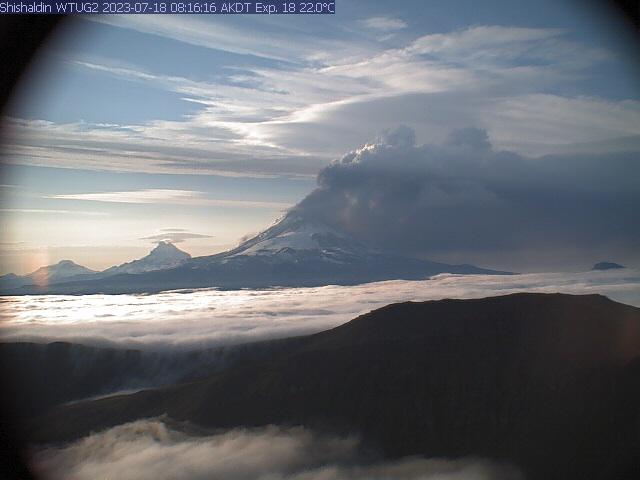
(549, 382)
(41, 376)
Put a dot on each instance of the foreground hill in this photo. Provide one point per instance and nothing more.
(548, 382)
(41, 376)
(295, 252)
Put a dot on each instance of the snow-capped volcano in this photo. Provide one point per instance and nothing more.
(301, 251)
(164, 255)
(296, 233)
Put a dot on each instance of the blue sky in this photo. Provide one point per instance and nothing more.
(131, 125)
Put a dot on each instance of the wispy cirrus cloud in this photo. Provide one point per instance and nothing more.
(170, 197)
(384, 24)
(51, 211)
(285, 41)
(293, 118)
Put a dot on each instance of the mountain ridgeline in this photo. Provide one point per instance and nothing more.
(607, 266)
(548, 382)
(41, 376)
(43, 276)
(164, 255)
(295, 252)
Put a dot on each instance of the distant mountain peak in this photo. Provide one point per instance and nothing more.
(165, 243)
(46, 275)
(62, 268)
(607, 266)
(168, 249)
(164, 255)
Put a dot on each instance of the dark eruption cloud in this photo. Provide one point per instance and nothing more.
(465, 201)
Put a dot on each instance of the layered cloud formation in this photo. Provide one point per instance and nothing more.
(150, 449)
(199, 98)
(464, 201)
(204, 318)
(298, 93)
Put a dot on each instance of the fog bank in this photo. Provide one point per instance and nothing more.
(150, 450)
(208, 317)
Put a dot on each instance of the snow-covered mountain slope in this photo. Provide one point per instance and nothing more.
(164, 255)
(295, 233)
(63, 270)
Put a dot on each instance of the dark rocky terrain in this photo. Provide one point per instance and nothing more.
(548, 382)
(41, 376)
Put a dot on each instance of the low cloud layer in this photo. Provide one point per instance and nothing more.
(208, 317)
(150, 450)
(464, 201)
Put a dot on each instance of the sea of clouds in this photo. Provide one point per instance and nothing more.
(149, 449)
(208, 318)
